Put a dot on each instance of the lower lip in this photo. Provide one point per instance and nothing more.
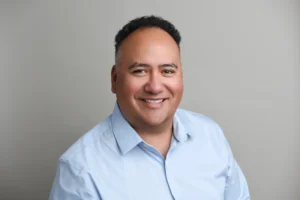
(152, 104)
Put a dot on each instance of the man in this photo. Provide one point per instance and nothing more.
(148, 148)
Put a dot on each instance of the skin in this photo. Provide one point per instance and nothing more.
(148, 67)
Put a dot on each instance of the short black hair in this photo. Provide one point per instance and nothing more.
(146, 21)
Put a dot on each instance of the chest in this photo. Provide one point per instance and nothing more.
(183, 175)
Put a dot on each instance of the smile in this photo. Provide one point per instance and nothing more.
(153, 100)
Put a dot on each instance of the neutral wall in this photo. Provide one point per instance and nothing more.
(241, 67)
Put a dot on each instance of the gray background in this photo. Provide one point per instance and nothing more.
(241, 64)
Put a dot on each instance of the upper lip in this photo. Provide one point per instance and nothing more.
(153, 98)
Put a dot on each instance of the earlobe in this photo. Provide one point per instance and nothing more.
(113, 76)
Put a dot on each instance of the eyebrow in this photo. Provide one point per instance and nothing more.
(136, 64)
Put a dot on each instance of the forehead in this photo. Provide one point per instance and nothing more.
(149, 45)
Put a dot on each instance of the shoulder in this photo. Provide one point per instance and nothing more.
(83, 151)
(192, 118)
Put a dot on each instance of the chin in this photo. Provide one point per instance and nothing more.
(154, 121)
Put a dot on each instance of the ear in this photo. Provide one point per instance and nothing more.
(113, 77)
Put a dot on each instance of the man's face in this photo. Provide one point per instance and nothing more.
(147, 77)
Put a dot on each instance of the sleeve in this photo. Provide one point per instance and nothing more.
(236, 187)
(72, 183)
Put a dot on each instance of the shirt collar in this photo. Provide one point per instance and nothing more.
(127, 138)
(181, 129)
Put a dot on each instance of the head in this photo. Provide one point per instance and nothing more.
(147, 75)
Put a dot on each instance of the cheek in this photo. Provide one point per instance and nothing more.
(129, 86)
(176, 87)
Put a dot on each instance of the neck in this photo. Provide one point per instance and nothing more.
(160, 138)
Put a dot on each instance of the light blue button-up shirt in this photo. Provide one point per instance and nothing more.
(112, 162)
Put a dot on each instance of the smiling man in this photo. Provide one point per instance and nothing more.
(148, 148)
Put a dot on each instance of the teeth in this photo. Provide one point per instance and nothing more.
(153, 101)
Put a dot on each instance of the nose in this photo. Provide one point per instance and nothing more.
(154, 84)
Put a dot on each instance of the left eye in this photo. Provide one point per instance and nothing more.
(168, 71)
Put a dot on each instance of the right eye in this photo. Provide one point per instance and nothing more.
(139, 71)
